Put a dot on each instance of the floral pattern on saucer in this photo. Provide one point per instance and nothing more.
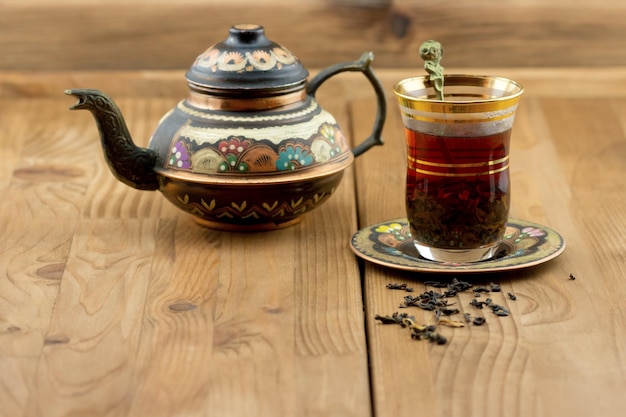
(390, 244)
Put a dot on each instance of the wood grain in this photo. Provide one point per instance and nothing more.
(120, 35)
(114, 303)
(87, 363)
(43, 189)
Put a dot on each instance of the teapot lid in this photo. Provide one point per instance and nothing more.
(246, 61)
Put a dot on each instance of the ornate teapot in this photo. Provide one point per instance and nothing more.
(250, 148)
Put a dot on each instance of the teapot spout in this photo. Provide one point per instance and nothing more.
(132, 165)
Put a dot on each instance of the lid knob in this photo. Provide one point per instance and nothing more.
(246, 34)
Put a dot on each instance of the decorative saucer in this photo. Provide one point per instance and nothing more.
(390, 244)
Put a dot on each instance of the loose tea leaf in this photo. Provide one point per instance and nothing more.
(402, 287)
(433, 300)
(457, 213)
(436, 284)
(428, 300)
(425, 332)
(479, 321)
(459, 286)
(450, 323)
(497, 309)
(448, 311)
(395, 318)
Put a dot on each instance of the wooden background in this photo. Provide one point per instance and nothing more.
(78, 337)
(163, 34)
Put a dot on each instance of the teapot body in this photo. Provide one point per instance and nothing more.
(256, 167)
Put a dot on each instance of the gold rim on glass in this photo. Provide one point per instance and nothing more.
(462, 94)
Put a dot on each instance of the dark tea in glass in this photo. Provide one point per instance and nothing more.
(457, 181)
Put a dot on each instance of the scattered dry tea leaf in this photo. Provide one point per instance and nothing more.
(450, 323)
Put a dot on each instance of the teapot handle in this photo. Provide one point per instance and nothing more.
(363, 65)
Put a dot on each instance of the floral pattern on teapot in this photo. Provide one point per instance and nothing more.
(241, 154)
(235, 61)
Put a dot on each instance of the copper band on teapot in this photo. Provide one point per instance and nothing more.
(209, 102)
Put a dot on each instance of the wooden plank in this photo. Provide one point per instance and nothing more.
(38, 35)
(172, 373)
(155, 315)
(563, 175)
(51, 169)
(114, 303)
(43, 190)
(88, 363)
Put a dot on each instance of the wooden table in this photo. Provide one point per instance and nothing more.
(114, 303)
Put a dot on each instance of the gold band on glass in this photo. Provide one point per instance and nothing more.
(460, 174)
(477, 164)
(458, 107)
(466, 94)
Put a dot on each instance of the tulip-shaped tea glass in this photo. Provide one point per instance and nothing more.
(457, 183)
